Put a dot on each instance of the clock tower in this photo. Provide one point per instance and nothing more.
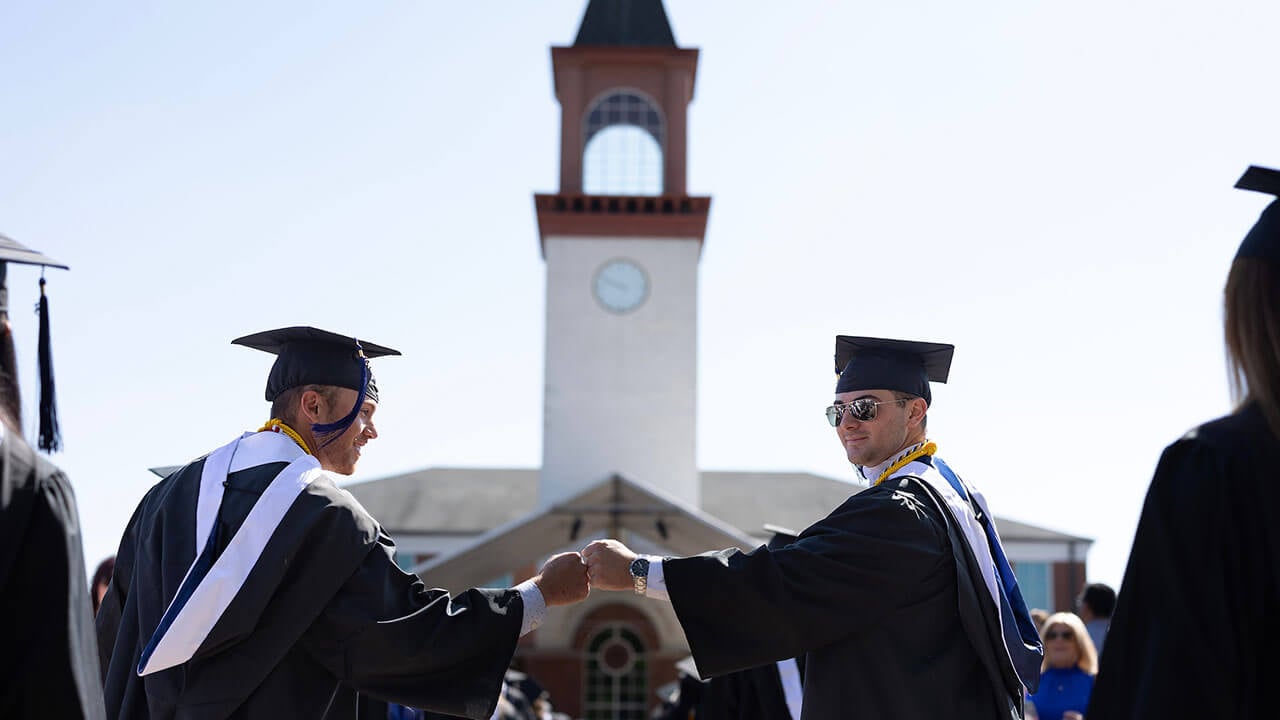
(621, 240)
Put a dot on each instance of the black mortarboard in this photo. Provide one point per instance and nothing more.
(1263, 240)
(865, 363)
(49, 436)
(309, 356)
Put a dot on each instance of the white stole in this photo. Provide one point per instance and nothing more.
(200, 601)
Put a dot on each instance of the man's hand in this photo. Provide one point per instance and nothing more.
(609, 565)
(563, 580)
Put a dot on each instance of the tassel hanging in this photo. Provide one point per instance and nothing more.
(50, 439)
(332, 431)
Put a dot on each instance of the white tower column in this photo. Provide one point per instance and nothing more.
(621, 364)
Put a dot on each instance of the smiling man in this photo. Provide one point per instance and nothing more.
(900, 600)
(249, 585)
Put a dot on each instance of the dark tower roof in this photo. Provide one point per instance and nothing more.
(625, 22)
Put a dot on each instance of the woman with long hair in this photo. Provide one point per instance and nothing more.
(1195, 629)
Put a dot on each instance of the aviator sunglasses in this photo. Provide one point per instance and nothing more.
(862, 410)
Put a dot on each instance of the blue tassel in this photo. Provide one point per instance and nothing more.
(336, 428)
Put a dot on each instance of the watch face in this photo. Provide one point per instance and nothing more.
(621, 286)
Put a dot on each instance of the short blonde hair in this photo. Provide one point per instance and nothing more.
(1088, 660)
(286, 407)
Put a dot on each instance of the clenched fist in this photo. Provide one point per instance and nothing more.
(609, 565)
(563, 580)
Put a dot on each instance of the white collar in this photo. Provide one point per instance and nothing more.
(872, 473)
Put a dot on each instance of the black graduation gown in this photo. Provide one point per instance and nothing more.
(48, 655)
(515, 704)
(1197, 621)
(752, 694)
(325, 612)
(881, 597)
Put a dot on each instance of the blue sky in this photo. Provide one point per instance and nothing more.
(1046, 185)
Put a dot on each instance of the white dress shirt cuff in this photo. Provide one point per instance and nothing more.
(657, 584)
(535, 606)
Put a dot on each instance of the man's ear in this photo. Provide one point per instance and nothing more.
(311, 406)
(918, 408)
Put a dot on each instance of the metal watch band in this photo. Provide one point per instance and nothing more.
(640, 575)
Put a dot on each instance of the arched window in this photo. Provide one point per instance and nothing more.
(616, 674)
(623, 146)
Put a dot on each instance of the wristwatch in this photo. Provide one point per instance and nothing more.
(640, 575)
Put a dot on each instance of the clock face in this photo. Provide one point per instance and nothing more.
(621, 286)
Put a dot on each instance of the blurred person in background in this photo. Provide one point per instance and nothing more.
(1096, 603)
(1194, 633)
(48, 654)
(1070, 664)
(1038, 616)
(101, 581)
(681, 699)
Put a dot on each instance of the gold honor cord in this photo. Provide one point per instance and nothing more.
(277, 425)
(926, 448)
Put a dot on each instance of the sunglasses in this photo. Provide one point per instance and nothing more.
(862, 410)
(1055, 634)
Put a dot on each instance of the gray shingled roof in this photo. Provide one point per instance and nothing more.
(625, 23)
(475, 500)
(450, 500)
(1014, 530)
(793, 500)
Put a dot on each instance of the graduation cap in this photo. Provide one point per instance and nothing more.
(310, 356)
(1263, 240)
(865, 363)
(49, 436)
